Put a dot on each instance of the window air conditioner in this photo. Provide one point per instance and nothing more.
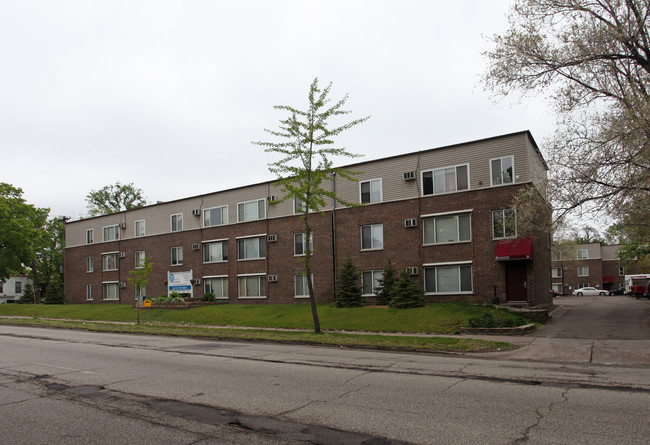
(409, 176)
(413, 271)
(271, 198)
(273, 278)
(122, 225)
(196, 212)
(197, 281)
(272, 238)
(410, 222)
(122, 254)
(123, 284)
(196, 246)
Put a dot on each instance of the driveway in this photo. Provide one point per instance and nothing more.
(603, 330)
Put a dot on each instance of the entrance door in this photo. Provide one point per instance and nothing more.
(516, 281)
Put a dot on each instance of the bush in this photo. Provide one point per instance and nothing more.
(208, 296)
(406, 293)
(386, 285)
(54, 292)
(490, 321)
(28, 295)
(174, 297)
(349, 286)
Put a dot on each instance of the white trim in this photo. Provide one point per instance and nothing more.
(171, 224)
(135, 230)
(449, 263)
(433, 183)
(266, 210)
(207, 277)
(258, 274)
(117, 233)
(227, 216)
(459, 241)
(514, 176)
(381, 190)
(429, 215)
(250, 236)
(214, 240)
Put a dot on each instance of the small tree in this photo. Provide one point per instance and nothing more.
(139, 277)
(28, 295)
(349, 286)
(406, 293)
(54, 292)
(386, 284)
(307, 149)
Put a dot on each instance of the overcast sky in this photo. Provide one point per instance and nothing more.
(170, 94)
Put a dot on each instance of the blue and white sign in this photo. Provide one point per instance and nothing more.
(180, 282)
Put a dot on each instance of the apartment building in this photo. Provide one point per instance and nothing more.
(444, 213)
(589, 264)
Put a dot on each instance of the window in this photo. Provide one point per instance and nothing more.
(444, 180)
(370, 281)
(621, 271)
(301, 286)
(251, 248)
(90, 236)
(448, 279)
(557, 287)
(18, 287)
(372, 237)
(215, 216)
(2, 287)
(252, 287)
(583, 254)
(299, 247)
(110, 291)
(141, 293)
(89, 292)
(581, 285)
(502, 170)
(139, 228)
(139, 259)
(298, 206)
(218, 286)
(109, 261)
(583, 271)
(177, 222)
(556, 272)
(251, 210)
(215, 251)
(89, 264)
(177, 256)
(504, 223)
(370, 191)
(111, 233)
(447, 229)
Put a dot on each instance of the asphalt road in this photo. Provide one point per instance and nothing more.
(62, 387)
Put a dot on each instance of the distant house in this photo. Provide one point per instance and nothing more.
(591, 264)
(13, 288)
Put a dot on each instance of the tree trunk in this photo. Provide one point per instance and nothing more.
(310, 286)
(36, 287)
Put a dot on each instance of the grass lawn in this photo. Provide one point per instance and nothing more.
(221, 322)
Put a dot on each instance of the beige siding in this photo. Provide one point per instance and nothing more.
(609, 253)
(537, 168)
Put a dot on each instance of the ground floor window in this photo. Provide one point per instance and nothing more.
(301, 286)
(581, 285)
(218, 286)
(448, 278)
(111, 291)
(557, 287)
(89, 292)
(252, 286)
(370, 281)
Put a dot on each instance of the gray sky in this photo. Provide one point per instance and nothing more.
(170, 94)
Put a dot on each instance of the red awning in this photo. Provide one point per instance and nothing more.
(514, 249)
(608, 279)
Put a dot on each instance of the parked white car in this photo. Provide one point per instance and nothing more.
(589, 291)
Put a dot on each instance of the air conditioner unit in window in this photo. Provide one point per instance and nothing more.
(271, 198)
(565, 268)
(122, 254)
(196, 246)
(272, 238)
(122, 225)
(122, 284)
(196, 212)
(410, 222)
(273, 278)
(413, 271)
(197, 281)
(409, 176)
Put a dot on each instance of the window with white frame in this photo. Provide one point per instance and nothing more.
(370, 191)
(139, 259)
(372, 237)
(301, 286)
(215, 251)
(502, 170)
(111, 233)
(251, 210)
(89, 292)
(504, 223)
(557, 287)
(447, 229)
(251, 248)
(621, 271)
(90, 236)
(218, 286)
(89, 264)
(109, 261)
(556, 272)
(142, 292)
(18, 287)
(177, 256)
(252, 286)
(445, 180)
(448, 278)
(111, 291)
(215, 216)
(140, 229)
(298, 206)
(583, 254)
(299, 243)
(177, 222)
(583, 271)
(370, 281)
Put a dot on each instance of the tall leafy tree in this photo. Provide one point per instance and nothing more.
(306, 148)
(114, 198)
(20, 231)
(592, 60)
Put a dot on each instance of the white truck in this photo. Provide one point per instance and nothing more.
(637, 284)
